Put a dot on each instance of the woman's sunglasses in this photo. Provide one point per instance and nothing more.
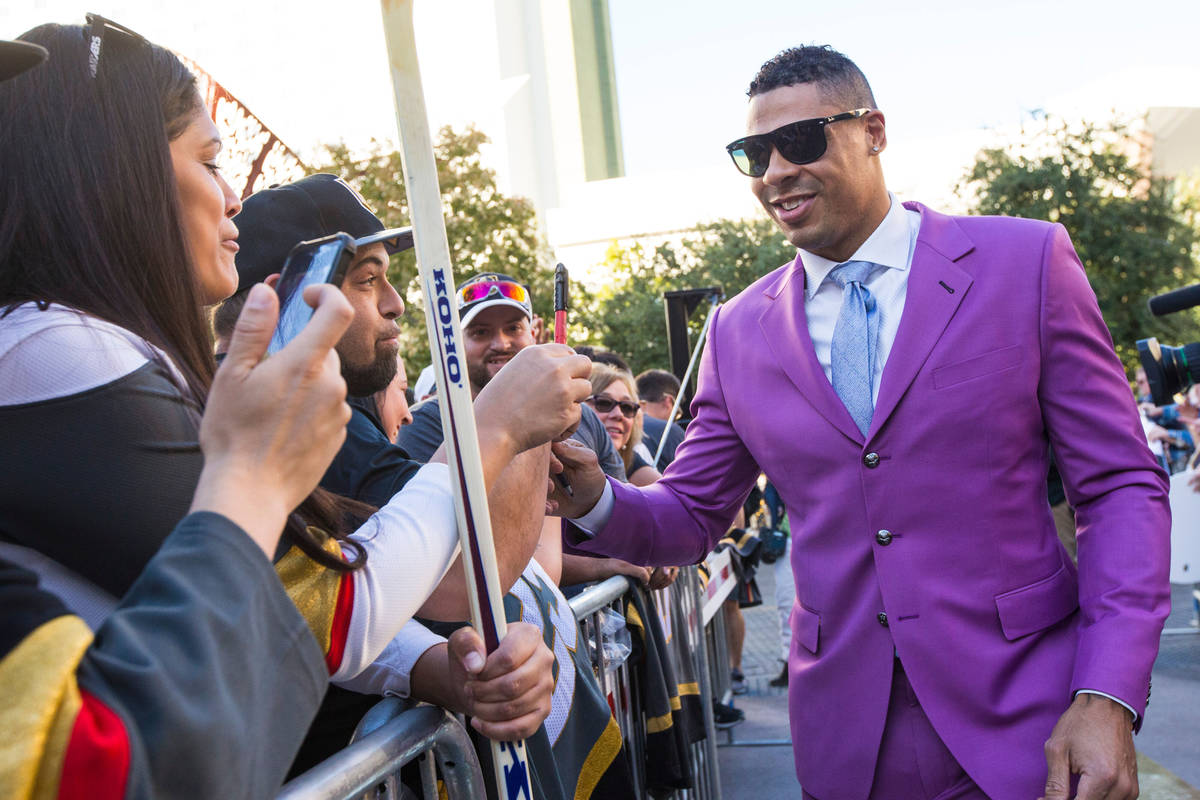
(97, 28)
(800, 142)
(603, 405)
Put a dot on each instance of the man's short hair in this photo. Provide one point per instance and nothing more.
(838, 77)
(654, 383)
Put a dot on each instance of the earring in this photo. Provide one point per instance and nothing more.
(875, 148)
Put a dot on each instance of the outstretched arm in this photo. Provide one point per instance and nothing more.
(679, 518)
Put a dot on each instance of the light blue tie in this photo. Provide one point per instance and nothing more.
(855, 338)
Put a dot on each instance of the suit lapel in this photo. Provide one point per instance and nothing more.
(936, 288)
(784, 326)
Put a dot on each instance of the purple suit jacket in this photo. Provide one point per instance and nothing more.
(1001, 350)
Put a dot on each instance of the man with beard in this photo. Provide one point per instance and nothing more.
(370, 468)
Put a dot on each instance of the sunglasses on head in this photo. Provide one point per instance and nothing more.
(485, 289)
(603, 405)
(800, 142)
(97, 28)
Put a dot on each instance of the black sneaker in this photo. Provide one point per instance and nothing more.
(726, 717)
(737, 682)
(780, 682)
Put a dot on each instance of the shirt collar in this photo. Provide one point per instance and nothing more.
(888, 245)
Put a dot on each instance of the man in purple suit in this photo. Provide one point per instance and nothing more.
(900, 383)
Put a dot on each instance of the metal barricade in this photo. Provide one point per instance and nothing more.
(618, 684)
(393, 733)
(370, 766)
(623, 691)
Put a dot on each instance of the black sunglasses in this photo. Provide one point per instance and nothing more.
(800, 142)
(603, 405)
(97, 28)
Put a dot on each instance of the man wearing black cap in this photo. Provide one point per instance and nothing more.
(369, 467)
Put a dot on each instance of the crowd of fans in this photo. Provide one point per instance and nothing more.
(1172, 430)
(213, 562)
(221, 560)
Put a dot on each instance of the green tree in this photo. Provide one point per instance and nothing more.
(628, 315)
(1134, 232)
(487, 230)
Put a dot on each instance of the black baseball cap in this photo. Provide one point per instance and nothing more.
(16, 57)
(275, 220)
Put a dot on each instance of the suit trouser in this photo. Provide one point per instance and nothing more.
(913, 762)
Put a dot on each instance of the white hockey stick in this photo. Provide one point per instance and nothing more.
(445, 344)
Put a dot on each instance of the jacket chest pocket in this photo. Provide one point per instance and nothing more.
(976, 367)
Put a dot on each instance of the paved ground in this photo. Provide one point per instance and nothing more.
(1169, 744)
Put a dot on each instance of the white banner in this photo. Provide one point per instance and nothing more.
(1185, 530)
(721, 581)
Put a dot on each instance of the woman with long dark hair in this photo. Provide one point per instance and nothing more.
(116, 233)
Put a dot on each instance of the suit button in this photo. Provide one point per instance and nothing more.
(884, 538)
(882, 617)
(871, 460)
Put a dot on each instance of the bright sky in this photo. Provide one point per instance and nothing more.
(938, 68)
(942, 70)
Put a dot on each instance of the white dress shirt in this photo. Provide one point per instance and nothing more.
(890, 246)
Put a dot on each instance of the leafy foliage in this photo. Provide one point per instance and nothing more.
(1135, 233)
(628, 316)
(487, 230)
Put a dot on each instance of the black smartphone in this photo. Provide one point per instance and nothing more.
(323, 260)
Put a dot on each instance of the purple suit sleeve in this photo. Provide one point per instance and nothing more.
(1112, 481)
(678, 519)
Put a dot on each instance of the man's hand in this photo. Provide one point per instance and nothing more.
(1093, 739)
(585, 569)
(578, 463)
(507, 695)
(1152, 411)
(535, 398)
(662, 577)
(1157, 433)
(615, 566)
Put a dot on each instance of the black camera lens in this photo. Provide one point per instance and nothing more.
(1169, 370)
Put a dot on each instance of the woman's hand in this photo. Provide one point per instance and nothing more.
(272, 427)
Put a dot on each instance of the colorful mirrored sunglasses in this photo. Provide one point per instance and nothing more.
(484, 289)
